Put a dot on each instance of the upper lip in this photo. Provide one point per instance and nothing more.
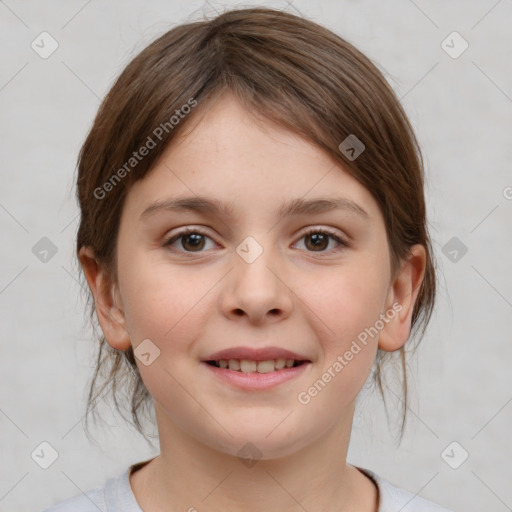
(255, 354)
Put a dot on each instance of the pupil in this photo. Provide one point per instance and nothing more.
(196, 243)
(318, 240)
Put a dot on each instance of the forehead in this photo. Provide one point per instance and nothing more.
(229, 154)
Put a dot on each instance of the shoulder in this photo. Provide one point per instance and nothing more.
(393, 498)
(115, 496)
(91, 501)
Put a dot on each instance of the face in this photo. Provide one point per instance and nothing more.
(254, 273)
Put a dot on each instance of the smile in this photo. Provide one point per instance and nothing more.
(250, 375)
(248, 366)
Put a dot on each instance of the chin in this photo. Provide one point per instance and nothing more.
(256, 444)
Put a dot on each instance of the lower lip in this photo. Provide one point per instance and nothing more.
(257, 381)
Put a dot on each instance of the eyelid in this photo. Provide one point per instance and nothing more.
(325, 229)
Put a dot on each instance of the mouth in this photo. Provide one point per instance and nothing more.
(257, 369)
(252, 375)
(252, 366)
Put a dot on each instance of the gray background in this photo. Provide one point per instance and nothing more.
(461, 109)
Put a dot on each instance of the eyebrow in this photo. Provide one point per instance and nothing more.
(295, 207)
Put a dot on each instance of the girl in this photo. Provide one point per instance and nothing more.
(253, 233)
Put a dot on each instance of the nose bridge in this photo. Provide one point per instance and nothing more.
(254, 256)
(256, 287)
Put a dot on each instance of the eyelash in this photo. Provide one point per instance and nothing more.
(187, 231)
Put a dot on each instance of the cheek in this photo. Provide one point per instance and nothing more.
(169, 307)
(346, 300)
(348, 306)
(347, 303)
(160, 301)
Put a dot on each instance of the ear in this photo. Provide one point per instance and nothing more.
(401, 299)
(110, 316)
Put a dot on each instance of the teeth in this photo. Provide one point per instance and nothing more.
(246, 366)
(265, 366)
(234, 364)
(279, 363)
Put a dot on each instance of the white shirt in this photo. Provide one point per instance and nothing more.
(117, 496)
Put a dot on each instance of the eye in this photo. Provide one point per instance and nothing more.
(317, 240)
(189, 240)
(193, 240)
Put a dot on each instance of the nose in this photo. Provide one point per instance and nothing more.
(256, 289)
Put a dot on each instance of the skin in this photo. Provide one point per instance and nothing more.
(294, 295)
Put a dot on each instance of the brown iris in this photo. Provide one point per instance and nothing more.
(320, 241)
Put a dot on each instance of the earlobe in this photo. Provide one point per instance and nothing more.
(110, 317)
(401, 300)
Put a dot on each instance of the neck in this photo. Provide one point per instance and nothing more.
(189, 475)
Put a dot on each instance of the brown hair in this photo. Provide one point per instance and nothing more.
(293, 72)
